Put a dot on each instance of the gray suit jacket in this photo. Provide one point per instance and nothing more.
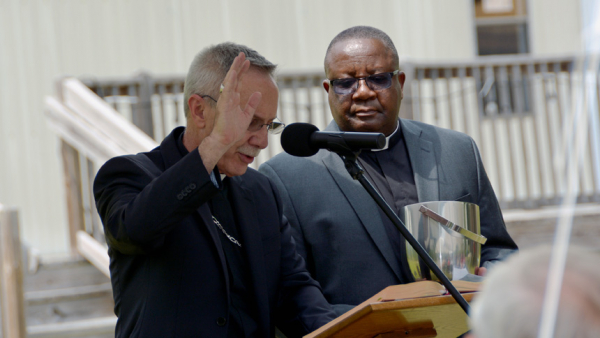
(338, 227)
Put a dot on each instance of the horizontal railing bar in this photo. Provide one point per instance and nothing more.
(499, 90)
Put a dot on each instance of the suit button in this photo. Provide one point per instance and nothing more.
(221, 321)
(180, 197)
(192, 186)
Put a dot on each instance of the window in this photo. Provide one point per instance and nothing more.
(501, 27)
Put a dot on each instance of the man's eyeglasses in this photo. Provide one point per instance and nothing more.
(376, 82)
(205, 96)
(275, 127)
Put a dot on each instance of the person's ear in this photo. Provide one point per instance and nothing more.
(197, 106)
(401, 79)
(326, 85)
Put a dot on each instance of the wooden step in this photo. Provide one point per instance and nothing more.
(66, 294)
(68, 299)
(63, 274)
(103, 327)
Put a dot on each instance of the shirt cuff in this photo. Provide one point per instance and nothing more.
(213, 179)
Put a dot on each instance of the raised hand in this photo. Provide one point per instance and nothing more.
(231, 122)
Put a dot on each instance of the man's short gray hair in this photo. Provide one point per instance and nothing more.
(364, 32)
(512, 297)
(210, 65)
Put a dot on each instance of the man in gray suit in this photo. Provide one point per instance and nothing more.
(350, 246)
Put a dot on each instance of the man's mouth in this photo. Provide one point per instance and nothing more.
(247, 153)
(366, 113)
(245, 158)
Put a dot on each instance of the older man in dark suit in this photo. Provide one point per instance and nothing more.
(198, 243)
(350, 246)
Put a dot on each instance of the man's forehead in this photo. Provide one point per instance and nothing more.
(269, 103)
(358, 51)
(351, 47)
(265, 116)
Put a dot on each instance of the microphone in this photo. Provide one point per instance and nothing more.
(305, 139)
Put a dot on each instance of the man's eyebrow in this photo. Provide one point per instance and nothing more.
(254, 118)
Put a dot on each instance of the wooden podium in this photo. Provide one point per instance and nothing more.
(429, 316)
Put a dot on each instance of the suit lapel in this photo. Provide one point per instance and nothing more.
(423, 161)
(364, 206)
(206, 215)
(244, 207)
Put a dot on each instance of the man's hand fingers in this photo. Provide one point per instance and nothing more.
(230, 81)
(242, 71)
(238, 62)
(231, 122)
(480, 271)
(251, 105)
(238, 67)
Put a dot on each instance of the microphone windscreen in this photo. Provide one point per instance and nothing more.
(295, 139)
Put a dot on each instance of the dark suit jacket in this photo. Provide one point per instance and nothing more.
(338, 227)
(168, 268)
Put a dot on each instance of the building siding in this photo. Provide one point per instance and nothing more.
(42, 40)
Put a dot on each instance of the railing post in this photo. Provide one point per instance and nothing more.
(142, 110)
(70, 158)
(11, 276)
(406, 109)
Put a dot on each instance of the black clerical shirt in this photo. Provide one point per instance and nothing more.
(241, 320)
(391, 173)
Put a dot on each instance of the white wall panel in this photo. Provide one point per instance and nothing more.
(555, 27)
(30, 178)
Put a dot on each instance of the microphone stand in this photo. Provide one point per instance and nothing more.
(349, 157)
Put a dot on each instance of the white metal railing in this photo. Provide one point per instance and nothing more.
(91, 132)
(514, 107)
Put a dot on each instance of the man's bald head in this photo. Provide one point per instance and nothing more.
(363, 32)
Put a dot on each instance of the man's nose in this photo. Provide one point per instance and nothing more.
(260, 138)
(363, 91)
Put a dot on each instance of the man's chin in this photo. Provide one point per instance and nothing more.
(377, 124)
(239, 171)
(367, 126)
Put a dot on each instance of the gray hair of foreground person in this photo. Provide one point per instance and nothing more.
(209, 67)
(511, 299)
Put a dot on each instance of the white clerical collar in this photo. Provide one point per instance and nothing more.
(387, 139)
(223, 177)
